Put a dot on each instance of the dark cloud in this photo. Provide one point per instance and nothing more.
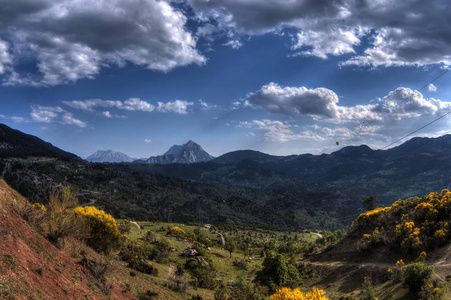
(73, 39)
(401, 33)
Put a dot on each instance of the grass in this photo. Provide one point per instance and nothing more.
(222, 262)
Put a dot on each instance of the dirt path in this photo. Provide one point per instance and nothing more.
(222, 239)
(90, 203)
(317, 234)
(137, 225)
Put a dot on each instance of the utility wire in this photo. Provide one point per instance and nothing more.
(361, 127)
(415, 131)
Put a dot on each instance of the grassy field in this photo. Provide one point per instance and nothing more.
(221, 259)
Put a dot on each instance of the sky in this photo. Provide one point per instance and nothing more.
(281, 77)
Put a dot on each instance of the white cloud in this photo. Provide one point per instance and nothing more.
(432, 88)
(74, 39)
(178, 106)
(401, 111)
(235, 44)
(44, 114)
(277, 131)
(295, 100)
(138, 105)
(206, 106)
(5, 56)
(147, 141)
(329, 42)
(132, 104)
(50, 114)
(323, 103)
(90, 105)
(68, 119)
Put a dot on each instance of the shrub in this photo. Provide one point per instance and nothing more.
(148, 295)
(136, 256)
(177, 232)
(416, 275)
(60, 218)
(102, 228)
(287, 293)
(276, 272)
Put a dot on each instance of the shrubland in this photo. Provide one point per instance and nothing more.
(387, 252)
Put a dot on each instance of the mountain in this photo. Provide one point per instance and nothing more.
(109, 156)
(183, 154)
(415, 168)
(14, 143)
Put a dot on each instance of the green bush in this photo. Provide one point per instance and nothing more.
(416, 275)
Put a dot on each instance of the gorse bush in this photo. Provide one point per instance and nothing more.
(296, 294)
(177, 232)
(103, 232)
(417, 224)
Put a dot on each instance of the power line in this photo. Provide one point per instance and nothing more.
(415, 131)
(362, 126)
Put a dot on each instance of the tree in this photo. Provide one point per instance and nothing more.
(230, 246)
(276, 272)
(370, 202)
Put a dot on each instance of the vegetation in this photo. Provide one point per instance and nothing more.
(289, 294)
(417, 275)
(415, 224)
(103, 233)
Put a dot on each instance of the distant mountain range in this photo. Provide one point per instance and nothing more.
(238, 187)
(182, 154)
(109, 156)
(415, 168)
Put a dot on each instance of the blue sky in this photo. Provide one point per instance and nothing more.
(281, 77)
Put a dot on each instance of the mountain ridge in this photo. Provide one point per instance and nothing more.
(110, 156)
(187, 153)
(14, 143)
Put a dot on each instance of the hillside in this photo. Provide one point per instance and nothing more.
(382, 243)
(14, 143)
(33, 268)
(125, 193)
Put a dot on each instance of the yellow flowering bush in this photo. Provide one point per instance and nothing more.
(39, 206)
(297, 294)
(177, 232)
(372, 216)
(102, 227)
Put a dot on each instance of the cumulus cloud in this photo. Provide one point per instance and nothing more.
(178, 106)
(323, 103)
(294, 100)
(74, 39)
(147, 141)
(51, 114)
(396, 114)
(396, 32)
(432, 88)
